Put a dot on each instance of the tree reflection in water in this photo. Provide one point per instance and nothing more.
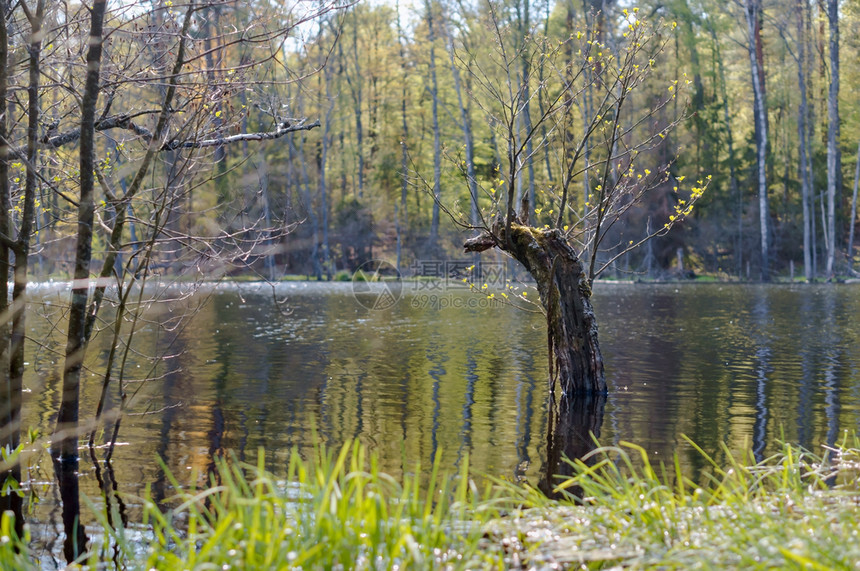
(75, 542)
(114, 504)
(573, 426)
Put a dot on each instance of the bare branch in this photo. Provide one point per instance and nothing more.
(126, 121)
(120, 121)
(282, 129)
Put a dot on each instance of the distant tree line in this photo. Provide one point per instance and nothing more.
(761, 113)
(401, 131)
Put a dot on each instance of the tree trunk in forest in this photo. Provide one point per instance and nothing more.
(468, 139)
(401, 214)
(525, 25)
(211, 19)
(730, 143)
(267, 242)
(325, 143)
(404, 149)
(10, 397)
(752, 13)
(690, 40)
(437, 144)
(309, 206)
(565, 293)
(811, 59)
(592, 15)
(823, 208)
(357, 99)
(66, 438)
(803, 146)
(541, 94)
(853, 216)
(833, 155)
(25, 232)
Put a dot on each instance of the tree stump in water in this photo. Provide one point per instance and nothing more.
(565, 294)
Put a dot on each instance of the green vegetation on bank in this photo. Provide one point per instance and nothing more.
(792, 510)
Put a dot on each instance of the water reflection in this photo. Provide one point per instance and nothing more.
(525, 416)
(831, 377)
(469, 402)
(75, 541)
(761, 314)
(573, 425)
(741, 366)
(436, 373)
(115, 506)
(172, 405)
(806, 390)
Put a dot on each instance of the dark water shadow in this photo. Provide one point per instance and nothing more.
(75, 542)
(573, 426)
(10, 498)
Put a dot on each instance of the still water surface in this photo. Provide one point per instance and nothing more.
(747, 365)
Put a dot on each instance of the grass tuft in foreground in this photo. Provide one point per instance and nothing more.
(337, 511)
(793, 510)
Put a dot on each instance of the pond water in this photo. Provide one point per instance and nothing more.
(452, 373)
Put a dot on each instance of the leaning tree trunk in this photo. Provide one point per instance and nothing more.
(565, 293)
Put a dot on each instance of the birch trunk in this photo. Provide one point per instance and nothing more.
(437, 144)
(752, 13)
(466, 123)
(833, 158)
(357, 99)
(309, 207)
(401, 214)
(803, 145)
(404, 148)
(853, 213)
(325, 144)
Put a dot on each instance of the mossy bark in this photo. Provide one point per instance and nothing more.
(565, 293)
